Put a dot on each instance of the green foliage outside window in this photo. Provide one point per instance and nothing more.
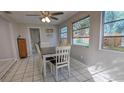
(81, 32)
(113, 30)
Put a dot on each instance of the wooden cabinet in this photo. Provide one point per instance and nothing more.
(22, 47)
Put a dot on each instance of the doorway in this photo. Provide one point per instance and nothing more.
(35, 38)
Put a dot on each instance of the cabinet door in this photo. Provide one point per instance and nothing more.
(22, 48)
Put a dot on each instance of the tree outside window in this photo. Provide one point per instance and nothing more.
(113, 30)
(81, 32)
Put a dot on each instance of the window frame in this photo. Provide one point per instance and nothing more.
(102, 34)
(63, 32)
(80, 29)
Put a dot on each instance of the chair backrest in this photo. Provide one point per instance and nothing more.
(38, 49)
(40, 60)
(63, 54)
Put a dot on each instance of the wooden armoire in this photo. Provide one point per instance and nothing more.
(22, 48)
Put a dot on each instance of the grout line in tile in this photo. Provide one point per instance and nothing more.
(25, 69)
(16, 69)
(5, 75)
(33, 68)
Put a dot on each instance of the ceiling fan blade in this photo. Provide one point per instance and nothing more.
(53, 18)
(42, 13)
(57, 13)
(7, 12)
(32, 15)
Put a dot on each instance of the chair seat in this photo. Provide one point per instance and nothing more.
(54, 62)
(50, 58)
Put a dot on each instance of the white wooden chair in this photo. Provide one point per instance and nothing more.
(62, 59)
(39, 59)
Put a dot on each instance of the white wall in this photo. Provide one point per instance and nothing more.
(23, 30)
(9, 31)
(7, 40)
(93, 54)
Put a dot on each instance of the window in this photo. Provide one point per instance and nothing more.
(63, 34)
(113, 30)
(81, 32)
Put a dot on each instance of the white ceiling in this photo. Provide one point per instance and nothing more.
(20, 17)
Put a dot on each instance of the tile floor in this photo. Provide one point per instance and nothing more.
(25, 70)
(5, 65)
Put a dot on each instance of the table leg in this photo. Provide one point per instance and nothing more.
(44, 68)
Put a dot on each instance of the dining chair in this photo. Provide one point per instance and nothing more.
(39, 59)
(62, 59)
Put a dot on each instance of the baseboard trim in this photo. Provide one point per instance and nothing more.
(8, 59)
(74, 59)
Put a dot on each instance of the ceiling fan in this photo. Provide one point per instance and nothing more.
(46, 16)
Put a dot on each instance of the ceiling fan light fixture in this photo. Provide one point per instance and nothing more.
(43, 20)
(47, 19)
